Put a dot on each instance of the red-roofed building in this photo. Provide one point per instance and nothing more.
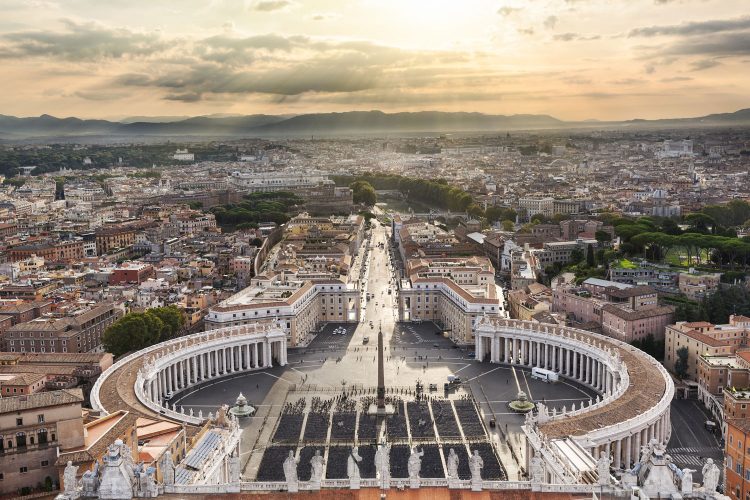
(704, 339)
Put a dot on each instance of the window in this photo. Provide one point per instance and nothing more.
(45, 463)
(40, 418)
(19, 421)
(23, 470)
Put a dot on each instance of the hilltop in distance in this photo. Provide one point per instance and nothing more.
(346, 123)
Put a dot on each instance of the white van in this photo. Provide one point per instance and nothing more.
(542, 374)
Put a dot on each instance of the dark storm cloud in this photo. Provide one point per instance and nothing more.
(79, 42)
(694, 28)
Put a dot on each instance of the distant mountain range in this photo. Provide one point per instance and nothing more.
(325, 124)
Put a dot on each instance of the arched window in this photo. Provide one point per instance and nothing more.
(20, 439)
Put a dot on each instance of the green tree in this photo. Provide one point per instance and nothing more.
(603, 236)
(363, 192)
(129, 333)
(681, 363)
(590, 259)
(171, 317)
(508, 225)
(576, 256)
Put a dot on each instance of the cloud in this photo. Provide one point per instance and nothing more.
(723, 44)
(289, 66)
(550, 22)
(628, 81)
(100, 95)
(80, 42)
(570, 37)
(677, 79)
(526, 31)
(507, 11)
(704, 64)
(325, 16)
(271, 5)
(188, 97)
(693, 28)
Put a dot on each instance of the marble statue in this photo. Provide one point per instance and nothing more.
(710, 476)
(167, 468)
(602, 467)
(90, 481)
(127, 459)
(290, 467)
(146, 482)
(234, 468)
(452, 463)
(415, 463)
(352, 464)
(536, 470)
(475, 466)
(316, 466)
(221, 416)
(686, 483)
(383, 463)
(70, 483)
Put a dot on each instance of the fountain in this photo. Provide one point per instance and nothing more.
(521, 404)
(241, 408)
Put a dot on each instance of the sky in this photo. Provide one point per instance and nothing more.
(572, 59)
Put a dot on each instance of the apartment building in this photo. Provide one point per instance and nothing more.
(51, 251)
(737, 456)
(621, 311)
(696, 285)
(451, 292)
(76, 331)
(702, 338)
(33, 430)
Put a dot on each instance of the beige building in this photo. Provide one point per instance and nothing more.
(704, 339)
(79, 330)
(33, 429)
(452, 292)
(299, 305)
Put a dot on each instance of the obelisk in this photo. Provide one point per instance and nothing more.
(381, 374)
(379, 407)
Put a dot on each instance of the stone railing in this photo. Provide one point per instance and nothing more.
(402, 483)
(638, 422)
(575, 340)
(158, 356)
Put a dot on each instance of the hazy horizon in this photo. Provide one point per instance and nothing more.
(571, 59)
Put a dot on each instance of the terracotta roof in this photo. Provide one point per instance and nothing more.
(634, 315)
(41, 400)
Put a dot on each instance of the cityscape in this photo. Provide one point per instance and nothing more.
(425, 250)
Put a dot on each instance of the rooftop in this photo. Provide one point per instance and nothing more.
(40, 400)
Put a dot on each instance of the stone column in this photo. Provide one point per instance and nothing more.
(574, 372)
(169, 378)
(506, 353)
(255, 355)
(267, 355)
(546, 356)
(248, 359)
(589, 371)
(494, 347)
(618, 453)
(628, 447)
